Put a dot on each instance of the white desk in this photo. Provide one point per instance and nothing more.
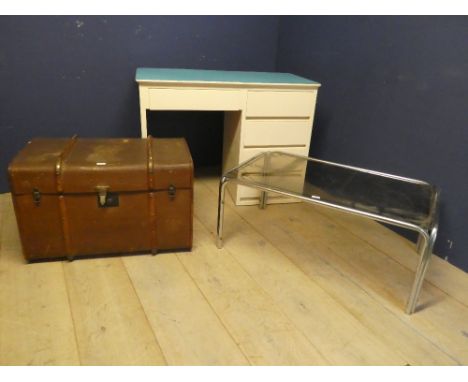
(263, 111)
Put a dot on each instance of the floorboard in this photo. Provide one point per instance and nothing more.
(111, 326)
(274, 225)
(343, 339)
(265, 335)
(441, 274)
(36, 326)
(378, 274)
(294, 285)
(185, 325)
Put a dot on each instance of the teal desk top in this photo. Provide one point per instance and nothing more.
(193, 75)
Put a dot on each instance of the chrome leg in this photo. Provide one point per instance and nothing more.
(263, 200)
(425, 247)
(222, 191)
(419, 243)
(264, 194)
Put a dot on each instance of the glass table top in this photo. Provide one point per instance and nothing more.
(369, 192)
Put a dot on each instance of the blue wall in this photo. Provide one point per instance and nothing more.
(65, 75)
(394, 98)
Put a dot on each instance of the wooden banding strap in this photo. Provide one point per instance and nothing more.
(59, 186)
(151, 196)
(59, 164)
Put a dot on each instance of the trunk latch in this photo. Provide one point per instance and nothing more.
(107, 199)
(102, 195)
(36, 196)
(171, 191)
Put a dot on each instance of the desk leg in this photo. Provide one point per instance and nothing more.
(425, 246)
(143, 122)
(143, 90)
(222, 191)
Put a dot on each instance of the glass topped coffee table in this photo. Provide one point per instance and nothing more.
(391, 199)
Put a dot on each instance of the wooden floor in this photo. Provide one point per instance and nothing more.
(294, 285)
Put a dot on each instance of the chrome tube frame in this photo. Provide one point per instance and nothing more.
(419, 244)
(426, 240)
(263, 194)
(425, 252)
(219, 230)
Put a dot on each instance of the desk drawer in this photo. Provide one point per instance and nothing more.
(196, 99)
(277, 132)
(262, 103)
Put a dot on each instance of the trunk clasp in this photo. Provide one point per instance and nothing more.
(36, 196)
(102, 195)
(171, 191)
